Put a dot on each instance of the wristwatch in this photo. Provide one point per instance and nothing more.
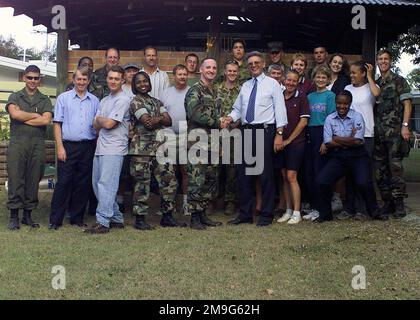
(280, 132)
(405, 124)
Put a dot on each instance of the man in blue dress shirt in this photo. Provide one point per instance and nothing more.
(343, 135)
(75, 139)
(260, 107)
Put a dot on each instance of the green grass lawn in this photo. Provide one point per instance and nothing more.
(306, 261)
(412, 166)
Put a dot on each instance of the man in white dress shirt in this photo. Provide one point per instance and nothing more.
(158, 78)
(261, 108)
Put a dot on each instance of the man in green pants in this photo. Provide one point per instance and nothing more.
(30, 112)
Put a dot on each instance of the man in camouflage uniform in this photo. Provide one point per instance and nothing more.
(238, 55)
(393, 111)
(227, 92)
(276, 55)
(112, 56)
(30, 112)
(148, 116)
(203, 114)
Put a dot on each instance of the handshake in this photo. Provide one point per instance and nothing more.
(225, 122)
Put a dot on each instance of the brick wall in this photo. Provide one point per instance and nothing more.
(167, 59)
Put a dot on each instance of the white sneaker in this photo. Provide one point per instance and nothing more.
(312, 215)
(284, 218)
(315, 215)
(336, 204)
(295, 219)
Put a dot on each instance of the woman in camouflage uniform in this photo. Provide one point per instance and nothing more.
(148, 116)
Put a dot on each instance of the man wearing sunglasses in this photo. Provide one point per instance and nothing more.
(30, 112)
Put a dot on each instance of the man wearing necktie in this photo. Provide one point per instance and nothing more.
(261, 108)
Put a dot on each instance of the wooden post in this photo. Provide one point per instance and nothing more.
(370, 37)
(62, 60)
(214, 34)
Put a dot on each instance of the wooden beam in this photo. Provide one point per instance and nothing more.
(62, 60)
(370, 36)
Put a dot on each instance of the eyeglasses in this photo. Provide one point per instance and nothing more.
(255, 63)
(232, 62)
(275, 52)
(33, 78)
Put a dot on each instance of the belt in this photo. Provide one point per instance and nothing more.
(257, 125)
(80, 141)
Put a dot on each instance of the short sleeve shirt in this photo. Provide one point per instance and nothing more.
(114, 141)
(321, 105)
(297, 107)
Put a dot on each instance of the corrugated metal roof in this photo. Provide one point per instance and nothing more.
(353, 2)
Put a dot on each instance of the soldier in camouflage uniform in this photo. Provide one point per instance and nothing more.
(203, 113)
(227, 92)
(392, 114)
(148, 116)
(30, 112)
(238, 54)
(112, 57)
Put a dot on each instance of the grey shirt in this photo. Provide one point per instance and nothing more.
(173, 100)
(114, 141)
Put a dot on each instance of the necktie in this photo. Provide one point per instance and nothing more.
(250, 111)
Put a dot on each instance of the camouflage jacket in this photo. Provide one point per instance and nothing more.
(389, 109)
(202, 108)
(227, 96)
(100, 77)
(244, 74)
(144, 141)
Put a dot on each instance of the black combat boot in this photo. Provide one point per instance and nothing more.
(14, 219)
(399, 209)
(27, 220)
(196, 222)
(168, 220)
(207, 222)
(384, 212)
(141, 223)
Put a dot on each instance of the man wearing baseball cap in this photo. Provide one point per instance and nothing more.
(130, 69)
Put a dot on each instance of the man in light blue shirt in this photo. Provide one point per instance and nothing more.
(260, 107)
(75, 140)
(344, 132)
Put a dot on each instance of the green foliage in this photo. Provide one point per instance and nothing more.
(413, 79)
(10, 49)
(407, 42)
(4, 126)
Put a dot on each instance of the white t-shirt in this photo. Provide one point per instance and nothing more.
(363, 102)
(173, 100)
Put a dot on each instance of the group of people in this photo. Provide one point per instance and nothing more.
(307, 128)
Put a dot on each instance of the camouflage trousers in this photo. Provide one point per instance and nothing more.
(388, 167)
(142, 168)
(202, 185)
(227, 186)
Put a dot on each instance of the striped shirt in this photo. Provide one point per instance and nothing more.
(159, 81)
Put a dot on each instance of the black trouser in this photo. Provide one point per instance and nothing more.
(351, 161)
(74, 180)
(246, 182)
(354, 200)
(313, 162)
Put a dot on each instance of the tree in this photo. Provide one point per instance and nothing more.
(413, 79)
(407, 42)
(10, 49)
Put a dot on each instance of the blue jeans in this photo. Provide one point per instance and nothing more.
(105, 180)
